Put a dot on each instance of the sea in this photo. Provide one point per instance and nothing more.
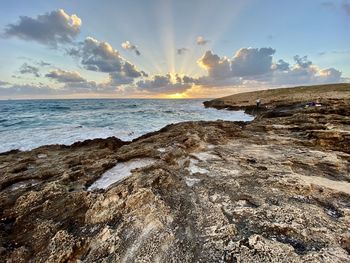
(27, 124)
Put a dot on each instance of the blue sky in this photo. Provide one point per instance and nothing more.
(235, 38)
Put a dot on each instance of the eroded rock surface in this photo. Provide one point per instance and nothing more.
(273, 190)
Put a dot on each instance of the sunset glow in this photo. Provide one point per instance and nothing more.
(169, 49)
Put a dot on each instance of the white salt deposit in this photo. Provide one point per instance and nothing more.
(24, 184)
(205, 156)
(193, 168)
(119, 172)
(341, 186)
(161, 150)
(211, 146)
(191, 181)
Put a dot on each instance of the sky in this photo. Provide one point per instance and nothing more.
(169, 48)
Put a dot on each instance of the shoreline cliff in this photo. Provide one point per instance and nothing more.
(276, 189)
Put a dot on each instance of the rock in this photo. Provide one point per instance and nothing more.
(272, 191)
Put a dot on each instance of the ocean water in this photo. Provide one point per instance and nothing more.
(27, 124)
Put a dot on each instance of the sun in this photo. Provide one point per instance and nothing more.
(176, 96)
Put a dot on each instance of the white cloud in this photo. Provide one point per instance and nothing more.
(201, 41)
(128, 46)
(50, 29)
(253, 65)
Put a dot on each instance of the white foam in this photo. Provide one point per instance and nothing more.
(119, 172)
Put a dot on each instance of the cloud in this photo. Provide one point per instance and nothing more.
(247, 62)
(201, 41)
(69, 88)
(181, 51)
(75, 83)
(63, 76)
(126, 75)
(302, 62)
(43, 63)
(304, 72)
(49, 29)
(218, 68)
(100, 56)
(25, 90)
(4, 83)
(330, 75)
(252, 61)
(128, 46)
(346, 7)
(28, 69)
(256, 66)
(165, 84)
(281, 65)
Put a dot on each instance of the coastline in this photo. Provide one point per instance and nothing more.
(218, 190)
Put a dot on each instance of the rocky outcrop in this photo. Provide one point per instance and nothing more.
(276, 189)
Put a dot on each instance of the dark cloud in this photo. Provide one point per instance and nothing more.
(252, 61)
(130, 70)
(49, 29)
(28, 69)
(128, 46)
(208, 81)
(4, 83)
(201, 41)
(247, 62)
(118, 78)
(25, 90)
(63, 76)
(302, 62)
(126, 75)
(165, 84)
(181, 51)
(281, 65)
(218, 68)
(43, 63)
(100, 56)
(41, 91)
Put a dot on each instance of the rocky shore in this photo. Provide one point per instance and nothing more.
(276, 189)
